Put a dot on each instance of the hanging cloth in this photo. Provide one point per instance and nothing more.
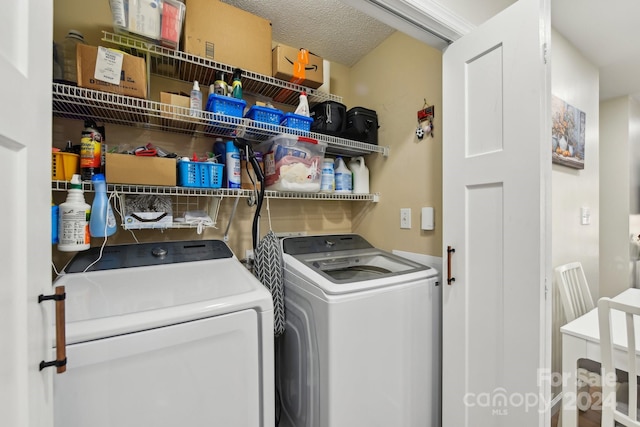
(268, 269)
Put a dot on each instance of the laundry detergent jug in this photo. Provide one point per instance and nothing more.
(360, 175)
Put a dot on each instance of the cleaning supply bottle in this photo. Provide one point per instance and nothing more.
(236, 85)
(195, 106)
(102, 222)
(69, 49)
(73, 223)
(232, 164)
(327, 180)
(303, 105)
(90, 150)
(55, 210)
(344, 183)
(360, 174)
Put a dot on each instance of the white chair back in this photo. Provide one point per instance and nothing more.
(574, 290)
(614, 409)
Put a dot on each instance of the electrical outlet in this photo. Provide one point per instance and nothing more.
(405, 218)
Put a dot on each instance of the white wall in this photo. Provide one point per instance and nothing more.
(575, 80)
(619, 183)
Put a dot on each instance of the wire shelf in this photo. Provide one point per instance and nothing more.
(183, 66)
(219, 192)
(79, 103)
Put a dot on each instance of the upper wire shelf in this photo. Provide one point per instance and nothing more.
(184, 66)
(79, 103)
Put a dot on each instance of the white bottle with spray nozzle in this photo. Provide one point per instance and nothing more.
(303, 105)
(195, 105)
(73, 225)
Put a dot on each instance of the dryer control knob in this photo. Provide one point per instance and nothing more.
(159, 252)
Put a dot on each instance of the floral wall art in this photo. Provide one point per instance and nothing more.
(567, 134)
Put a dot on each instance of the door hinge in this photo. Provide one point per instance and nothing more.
(545, 53)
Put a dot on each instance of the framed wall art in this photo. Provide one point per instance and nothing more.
(567, 134)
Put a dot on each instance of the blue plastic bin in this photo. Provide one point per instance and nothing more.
(226, 105)
(200, 174)
(296, 121)
(264, 115)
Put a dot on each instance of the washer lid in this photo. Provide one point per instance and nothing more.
(348, 263)
(123, 300)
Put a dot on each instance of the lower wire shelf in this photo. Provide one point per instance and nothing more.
(218, 192)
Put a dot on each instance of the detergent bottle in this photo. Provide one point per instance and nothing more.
(102, 222)
(360, 175)
(343, 177)
(73, 225)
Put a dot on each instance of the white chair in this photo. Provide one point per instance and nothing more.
(574, 290)
(614, 406)
(576, 300)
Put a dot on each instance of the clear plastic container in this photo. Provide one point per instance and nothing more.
(294, 163)
(69, 49)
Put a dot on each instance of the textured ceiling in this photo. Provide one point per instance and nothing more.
(328, 28)
(605, 32)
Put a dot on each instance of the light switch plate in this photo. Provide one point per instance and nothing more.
(405, 218)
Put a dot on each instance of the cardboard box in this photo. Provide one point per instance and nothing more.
(178, 101)
(226, 34)
(130, 169)
(297, 66)
(133, 76)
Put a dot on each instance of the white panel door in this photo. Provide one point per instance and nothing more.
(25, 173)
(497, 166)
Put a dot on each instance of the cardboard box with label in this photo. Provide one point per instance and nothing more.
(226, 34)
(98, 66)
(130, 169)
(297, 66)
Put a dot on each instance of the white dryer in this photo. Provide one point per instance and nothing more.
(165, 334)
(361, 346)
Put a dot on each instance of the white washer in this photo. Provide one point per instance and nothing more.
(165, 334)
(361, 346)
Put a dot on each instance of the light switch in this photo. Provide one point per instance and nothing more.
(427, 219)
(405, 218)
(585, 216)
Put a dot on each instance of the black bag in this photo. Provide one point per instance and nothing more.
(328, 117)
(362, 125)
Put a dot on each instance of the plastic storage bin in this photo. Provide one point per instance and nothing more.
(160, 21)
(200, 174)
(293, 163)
(64, 166)
(267, 115)
(296, 121)
(226, 105)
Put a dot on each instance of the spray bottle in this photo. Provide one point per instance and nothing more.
(303, 105)
(236, 85)
(195, 106)
(73, 225)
